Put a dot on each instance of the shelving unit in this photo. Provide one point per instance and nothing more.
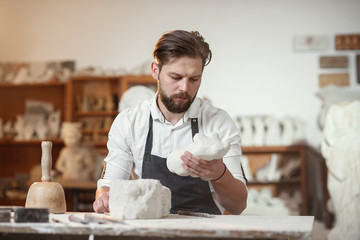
(259, 156)
(84, 91)
(21, 156)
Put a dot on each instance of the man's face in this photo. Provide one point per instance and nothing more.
(179, 82)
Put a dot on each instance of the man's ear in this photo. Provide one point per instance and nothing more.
(155, 71)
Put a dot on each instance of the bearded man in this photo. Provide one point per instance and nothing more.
(141, 138)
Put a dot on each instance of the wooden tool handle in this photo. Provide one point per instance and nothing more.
(46, 161)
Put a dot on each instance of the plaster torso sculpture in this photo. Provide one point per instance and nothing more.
(54, 124)
(272, 136)
(19, 127)
(332, 94)
(259, 127)
(75, 161)
(29, 130)
(41, 129)
(247, 133)
(205, 147)
(287, 136)
(341, 149)
(139, 199)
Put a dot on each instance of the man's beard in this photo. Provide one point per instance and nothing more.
(172, 105)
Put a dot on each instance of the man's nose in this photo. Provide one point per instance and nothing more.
(184, 85)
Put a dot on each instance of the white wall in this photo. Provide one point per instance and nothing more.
(254, 69)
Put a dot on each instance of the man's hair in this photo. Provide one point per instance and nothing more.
(180, 43)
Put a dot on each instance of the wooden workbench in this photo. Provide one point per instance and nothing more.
(171, 227)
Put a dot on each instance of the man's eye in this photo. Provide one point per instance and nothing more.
(176, 78)
(194, 79)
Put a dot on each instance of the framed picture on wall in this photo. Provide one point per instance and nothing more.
(358, 68)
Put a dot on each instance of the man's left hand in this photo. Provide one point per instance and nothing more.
(206, 170)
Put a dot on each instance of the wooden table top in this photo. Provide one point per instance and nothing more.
(175, 226)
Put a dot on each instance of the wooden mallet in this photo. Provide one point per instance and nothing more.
(46, 194)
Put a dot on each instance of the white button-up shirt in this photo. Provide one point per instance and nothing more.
(128, 133)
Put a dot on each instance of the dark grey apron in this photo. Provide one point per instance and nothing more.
(187, 193)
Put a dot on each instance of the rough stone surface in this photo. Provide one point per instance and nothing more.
(139, 199)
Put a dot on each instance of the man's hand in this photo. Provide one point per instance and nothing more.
(101, 204)
(206, 170)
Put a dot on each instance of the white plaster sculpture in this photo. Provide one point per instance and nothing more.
(291, 167)
(332, 94)
(205, 147)
(134, 96)
(259, 131)
(341, 149)
(49, 74)
(246, 167)
(22, 76)
(139, 199)
(37, 69)
(75, 161)
(53, 122)
(29, 131)
(64, 74)
(19, 127)
(109, 72)
(247, 132)
(270, 171)
(299, 131)
(273, 131)
(121, 71)
(262, 203)
(287, 135)
(41, 130)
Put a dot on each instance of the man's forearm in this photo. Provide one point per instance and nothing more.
(231, 193)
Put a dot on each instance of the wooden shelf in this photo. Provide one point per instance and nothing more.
(30, 85)
(30, 142)
(271, 149)
(260, 155)
(296, 180)
(91, 131)
(95, 78)
(12, 202)
(96, 113)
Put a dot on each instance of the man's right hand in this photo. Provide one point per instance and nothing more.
(101, 204)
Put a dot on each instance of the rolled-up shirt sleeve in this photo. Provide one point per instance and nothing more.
(230, 133)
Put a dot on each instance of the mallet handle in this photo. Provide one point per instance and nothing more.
(46, 160)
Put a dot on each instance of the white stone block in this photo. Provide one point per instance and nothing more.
(139, 199)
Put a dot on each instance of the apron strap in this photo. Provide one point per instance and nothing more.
(194, 127)
(149, 139)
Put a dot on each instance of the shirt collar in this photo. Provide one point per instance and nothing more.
(192, 112)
